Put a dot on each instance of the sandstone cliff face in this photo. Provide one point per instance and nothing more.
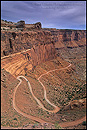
(42, 43)
(42, 53)
(69, 38)
(24, 61)
(16, 41)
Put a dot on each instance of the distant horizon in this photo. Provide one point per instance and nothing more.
(52, 14)
(43, 27)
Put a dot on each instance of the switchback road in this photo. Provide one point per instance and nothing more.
(38, 101)
(65, 124)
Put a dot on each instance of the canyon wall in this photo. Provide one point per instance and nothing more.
(68, 38)
(43, 43)
(12, 42)
(42, 53)
(22, 62)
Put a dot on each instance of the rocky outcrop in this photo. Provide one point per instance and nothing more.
(43, 43)
(38, 25)
(8, 25)
(69, 38)
(40, 42)
(20, 24)
(16, 41)
(75, 103)
(33, 26)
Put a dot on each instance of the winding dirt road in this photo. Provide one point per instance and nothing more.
(73, 123)
(38, 101)
(56, 108)
(18, 110)
(65, 124)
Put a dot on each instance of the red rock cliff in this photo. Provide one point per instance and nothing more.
(41, 42)
(41, 53)
(68, 38)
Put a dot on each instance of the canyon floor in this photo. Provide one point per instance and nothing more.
(64, 85)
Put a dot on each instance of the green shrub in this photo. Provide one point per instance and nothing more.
(69, 97)
(47, 112)
(57, 126)
(25, 74)
(7, 123)
(84, 123)
(15, 119)
(3, 28)
(5, 20)
(43, 99)
(10, 27)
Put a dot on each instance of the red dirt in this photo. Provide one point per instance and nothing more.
(76, 122)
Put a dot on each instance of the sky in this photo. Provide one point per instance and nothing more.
(51, 14)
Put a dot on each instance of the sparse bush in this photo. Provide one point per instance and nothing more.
(33, 126)
(72, 94)
(5, 20)
(15, 119)
(3, 28)
(7, 123)
(47, 112)
(25, 74)
(43, 99)
(10, 27)
(84, 123)
(57, 126)
(69, 97)
(76, 85)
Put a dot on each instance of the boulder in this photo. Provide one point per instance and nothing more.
(64, 119)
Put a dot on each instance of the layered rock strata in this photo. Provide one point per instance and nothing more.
(12, 42)
(42, 43)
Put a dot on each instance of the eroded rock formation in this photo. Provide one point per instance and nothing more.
(43, 43)
(12, 42)
(20, 24)
(42, 53)
(75, 103)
